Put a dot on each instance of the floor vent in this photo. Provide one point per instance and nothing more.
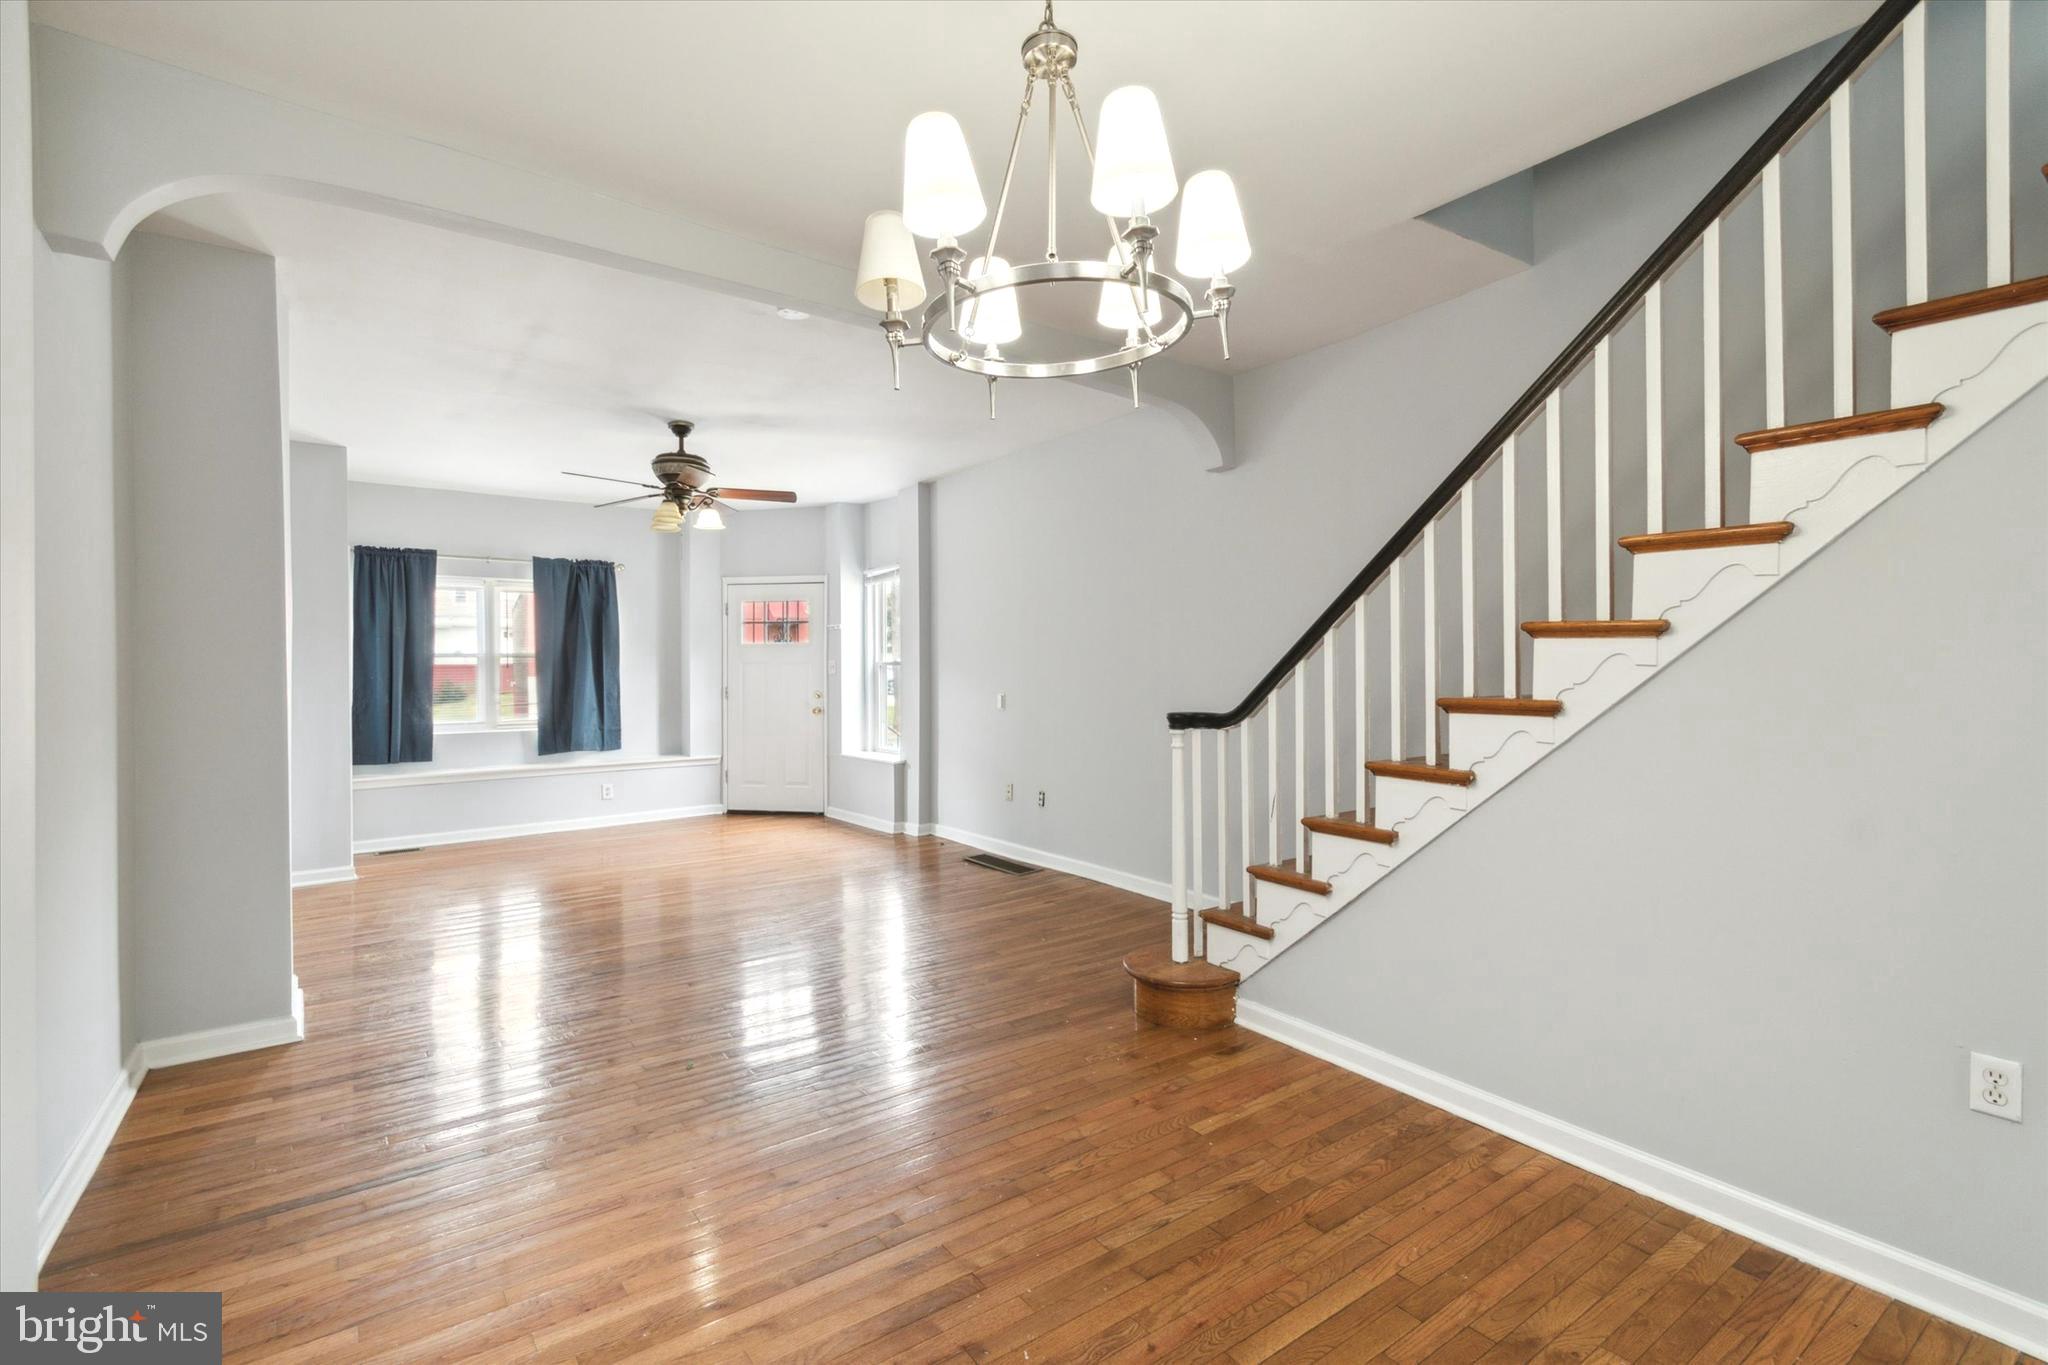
(1002, 864)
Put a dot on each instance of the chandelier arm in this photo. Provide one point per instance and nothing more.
(1052, 180)
(1010, 168)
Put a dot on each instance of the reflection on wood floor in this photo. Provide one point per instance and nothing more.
(759, 1088)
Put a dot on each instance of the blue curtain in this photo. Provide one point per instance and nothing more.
(576, 611)
(394, 665)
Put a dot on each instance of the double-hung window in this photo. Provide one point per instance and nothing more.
(484, 654)
(883, 642)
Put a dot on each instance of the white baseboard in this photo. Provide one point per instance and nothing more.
(873, 822)
(1963, 1299)
(323, 876)
(476, 836)
(53, 1210)
(1094, 872)
(220, 1042)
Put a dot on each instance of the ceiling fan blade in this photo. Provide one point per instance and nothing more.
(638, 497)
(753, 494)
(574, 474)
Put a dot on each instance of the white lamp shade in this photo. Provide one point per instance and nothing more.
(668, 517)
(990, 321)
(888, 255)
(1212, 240)
(1133, 168)
(708, 519)
(1116, 310)
(941, 197)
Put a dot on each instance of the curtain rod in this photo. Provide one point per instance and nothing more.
(617, 565)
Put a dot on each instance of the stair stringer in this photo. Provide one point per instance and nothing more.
(1823, 489)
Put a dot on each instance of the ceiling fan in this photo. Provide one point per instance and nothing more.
(686, 488)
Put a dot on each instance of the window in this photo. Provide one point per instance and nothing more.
(775, 623)
(883, 641)
(484, 674)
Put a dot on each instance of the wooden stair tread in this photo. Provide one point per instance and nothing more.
(1345, 827)
(1592, 630)
(1420, 770)
(1283, 874)
(1707, 538)
(1156, 968)
(1840, 428)
(1243, 924)
(1964, 305)
(1500, 706)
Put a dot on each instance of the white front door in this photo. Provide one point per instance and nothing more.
(775, 695)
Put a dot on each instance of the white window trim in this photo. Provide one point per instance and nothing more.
(871, 662)
(487, 655)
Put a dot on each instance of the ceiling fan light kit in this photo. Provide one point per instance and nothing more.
(975, 313)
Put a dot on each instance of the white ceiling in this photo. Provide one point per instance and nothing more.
(783, 122)
(448, 361)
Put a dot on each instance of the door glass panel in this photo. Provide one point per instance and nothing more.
(780, 622)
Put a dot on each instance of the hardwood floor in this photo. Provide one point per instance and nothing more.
(769, 1088)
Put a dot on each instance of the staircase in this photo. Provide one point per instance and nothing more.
(1299, 832)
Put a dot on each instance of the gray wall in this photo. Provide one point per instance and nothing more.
(1784, 891)
(201, 446)
(321, 672)
(78, 834)
(18, 1099)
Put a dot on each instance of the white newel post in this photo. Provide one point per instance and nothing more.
(1179, 855)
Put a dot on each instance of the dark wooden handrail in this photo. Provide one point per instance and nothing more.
(1730, 187)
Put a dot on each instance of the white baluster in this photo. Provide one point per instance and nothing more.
(1360, 723)
(1553, 497)
(1603, 493)
(1653, 409)
(1300, 764)
(1400, 750)
(1181, 941)
(1222, 826)
(1510, 628)
(1710, 376)
(1774, 294)
(1272, 778)
(1842, 214)
(1997, 142)
(1196, 812)
(1244, 811)
(1468, 644)
(1429, 640)
(1329, 725)
(1913, 47)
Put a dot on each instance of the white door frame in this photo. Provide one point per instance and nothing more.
(725, 587)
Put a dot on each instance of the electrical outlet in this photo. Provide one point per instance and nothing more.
(605, 791)
(1041, 800)
(1995, 1086)
(1009, 791)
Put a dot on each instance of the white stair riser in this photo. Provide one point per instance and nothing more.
(2015, 368)
(1564, 664)
(1242, 953)
(1474, 739)
(1692, 620)
(1342, 861)
(1929, 362)
(1671, 578)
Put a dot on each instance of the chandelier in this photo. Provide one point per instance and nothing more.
(976, 315)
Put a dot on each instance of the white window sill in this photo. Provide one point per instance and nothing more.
(481, 729)
(422, 777)
(874, 757)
